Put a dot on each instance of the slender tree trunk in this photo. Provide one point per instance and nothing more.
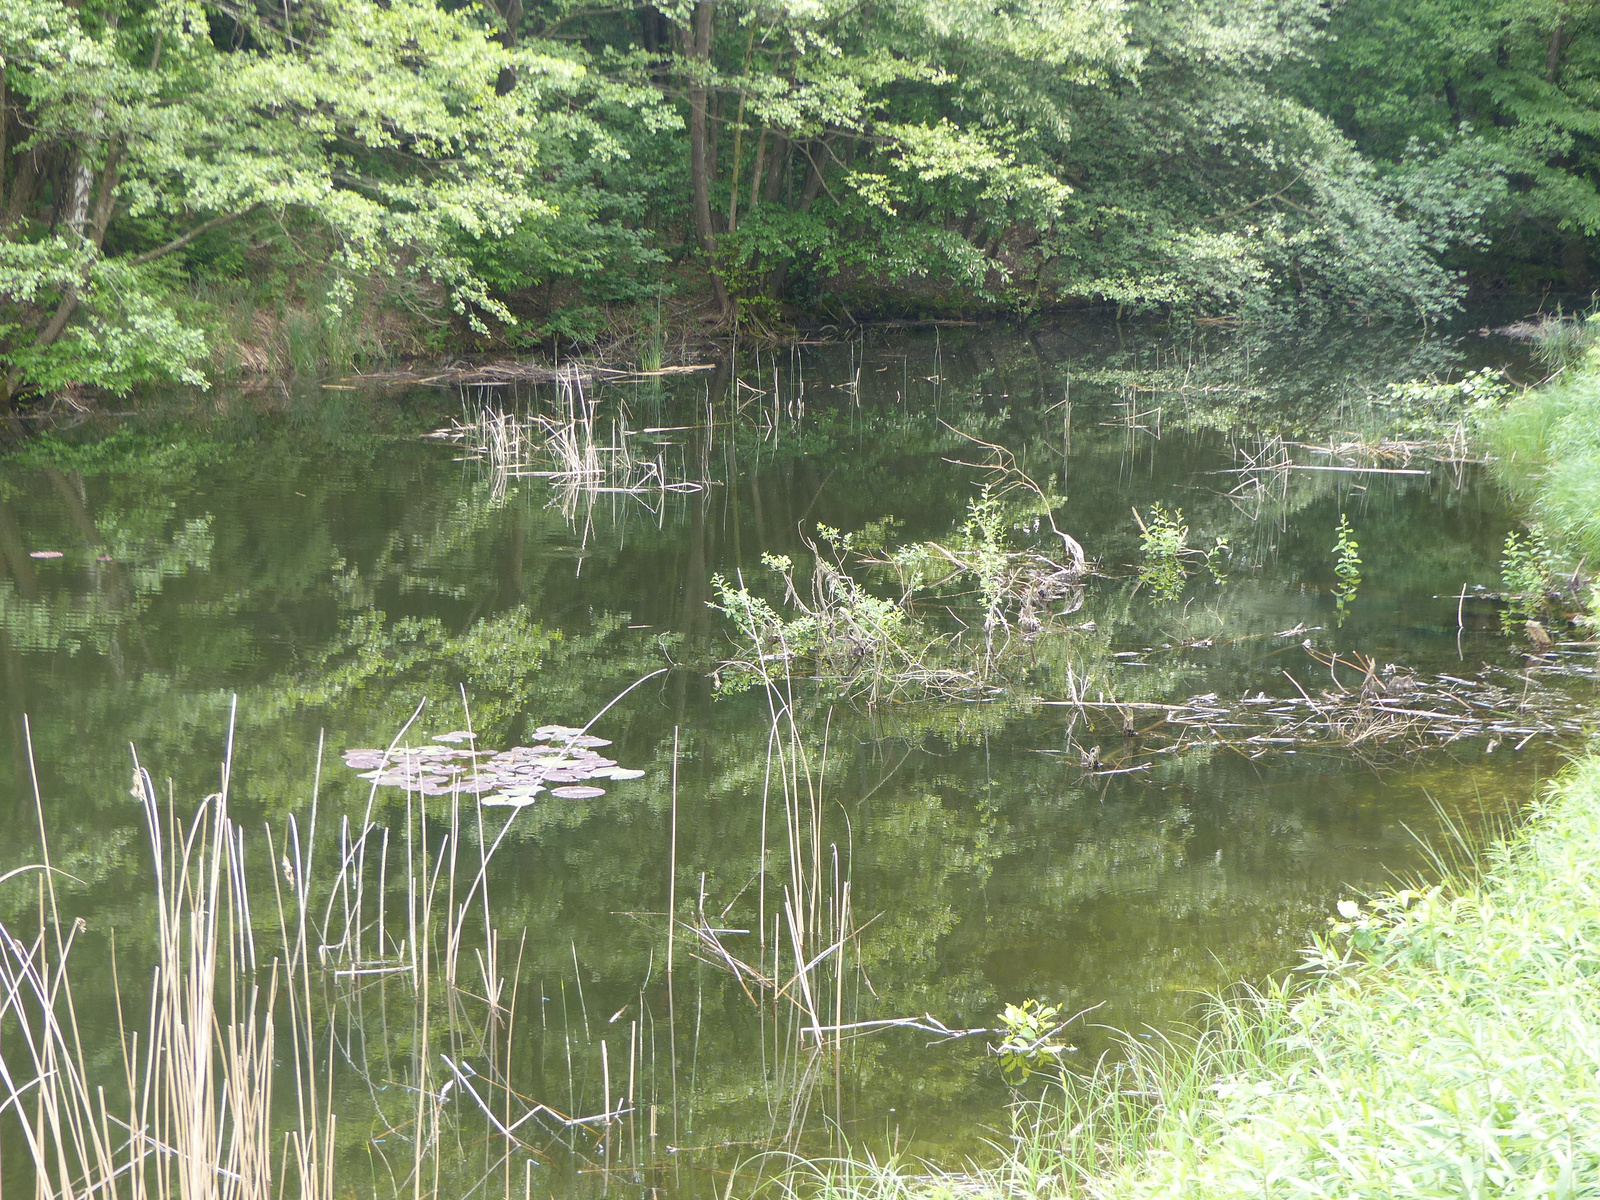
(24, 186)
(816, 167)
(1552, 58)
(698, 39)
(5, 128)
(75, 212)
(733, 181)
(738, 139)
(511, 12)
(715, 124)
(105, 202)
(758, 168)
(80, 183)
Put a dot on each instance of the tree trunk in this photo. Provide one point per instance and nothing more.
(1552, 58)
(5, 128)
(655, 28)
(24, 186)
(758, 168)
(816, 165)
(1453, 99)
(774, 182)
(698, 45)
(106, 197)
(80, 182)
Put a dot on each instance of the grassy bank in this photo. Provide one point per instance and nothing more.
(1547, 452)
(1452, 1048)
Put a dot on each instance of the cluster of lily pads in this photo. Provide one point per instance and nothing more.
(564, 762)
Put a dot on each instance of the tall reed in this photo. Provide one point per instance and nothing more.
(232, 1025)
(190, 1112)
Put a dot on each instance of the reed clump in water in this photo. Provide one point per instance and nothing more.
(189, 1112)
(567, 444)
(357, 978)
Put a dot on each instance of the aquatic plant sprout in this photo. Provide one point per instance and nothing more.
(1165, 553)
(1347, 566)
(565, 763)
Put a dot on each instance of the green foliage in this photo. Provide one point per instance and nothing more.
(1429, 405)
(985, 533)
(1165, 554)
(1547, 450)
(1163, 544)
(856, 640)
(540, 158)
(169, 453)
(1346, 565)
(381, 126)
(1528, 569)
(1564, 342)
(1482, 116)
(1030, 1041)
(867, 646)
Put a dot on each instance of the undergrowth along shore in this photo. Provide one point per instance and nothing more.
(1451, 1048)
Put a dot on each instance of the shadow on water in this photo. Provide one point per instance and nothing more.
(321, 559)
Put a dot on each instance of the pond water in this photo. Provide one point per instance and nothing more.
(310, 553)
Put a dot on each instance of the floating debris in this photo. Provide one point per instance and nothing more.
(45, 554)
(564, 763)
(1383, 709)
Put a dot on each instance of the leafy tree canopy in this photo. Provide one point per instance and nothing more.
(1485, 98)
(511, 159)
(136, 127)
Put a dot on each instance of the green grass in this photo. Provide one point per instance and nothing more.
(1547, 451)
(1451, 1048)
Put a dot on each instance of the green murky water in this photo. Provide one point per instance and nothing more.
(309, 553)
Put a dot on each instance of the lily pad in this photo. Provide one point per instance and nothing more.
(450, 764)
(579, 792)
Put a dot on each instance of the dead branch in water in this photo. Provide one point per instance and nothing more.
(1373, 708)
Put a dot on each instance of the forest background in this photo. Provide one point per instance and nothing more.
(192, 190)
